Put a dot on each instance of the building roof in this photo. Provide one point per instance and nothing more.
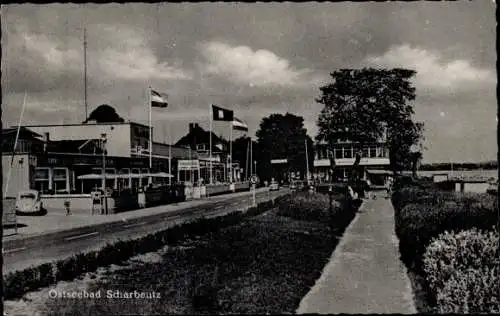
(197, 135)
(23, 132)
(86, 124)
(179, 152)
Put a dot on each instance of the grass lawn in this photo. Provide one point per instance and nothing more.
(265, 264)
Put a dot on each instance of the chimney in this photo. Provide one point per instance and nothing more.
(191, 127)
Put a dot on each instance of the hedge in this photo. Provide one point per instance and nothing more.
(422, 212)
(30, 279)
(307, 206)
(315, 207)
(462, 271)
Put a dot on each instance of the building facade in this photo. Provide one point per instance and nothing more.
(197, 140)
(58, 159)
(373, 156)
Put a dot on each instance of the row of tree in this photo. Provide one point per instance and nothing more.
(362, 105)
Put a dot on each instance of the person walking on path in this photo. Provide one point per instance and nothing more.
(388, 186)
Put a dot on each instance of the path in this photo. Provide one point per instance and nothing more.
(364, 274)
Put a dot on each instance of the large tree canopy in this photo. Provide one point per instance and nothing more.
(367, 104)
(283, 136)
(105, 114)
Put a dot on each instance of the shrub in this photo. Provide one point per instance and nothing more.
(424, 215)
(306, 206)
(471, 291)
(417, 224)
(450, 253)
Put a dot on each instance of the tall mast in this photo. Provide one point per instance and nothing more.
(85, 69)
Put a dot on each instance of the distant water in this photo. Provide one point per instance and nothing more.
(464, 173)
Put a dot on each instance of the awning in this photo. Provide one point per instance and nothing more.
(111, 176)
(279, 161)
(379, 172)
(159, 175)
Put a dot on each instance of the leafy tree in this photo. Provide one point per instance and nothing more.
(283, 136)
(366, 105)
(105, 114)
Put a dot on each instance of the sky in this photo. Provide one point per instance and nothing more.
(254, 58)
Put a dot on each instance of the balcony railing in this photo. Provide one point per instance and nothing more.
(350, 162)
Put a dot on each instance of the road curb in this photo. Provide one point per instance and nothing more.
(125, 216)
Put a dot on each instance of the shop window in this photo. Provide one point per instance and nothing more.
(59, 181)
(145, 180)
(366, 153)
(42, 179)
(110, 182)
(347, 153)
(338, 153)
(201, 146)
(123, 183)
(380, 152)
(135, 181)
(373, 152)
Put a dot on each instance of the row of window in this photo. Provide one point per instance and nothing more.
(350, 152)
(60, 180)
(22, 146)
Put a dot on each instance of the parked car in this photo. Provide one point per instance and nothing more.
(28, 202)
(274, 186)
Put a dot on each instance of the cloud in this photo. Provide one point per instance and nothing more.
(256, 68)
(53, 54)
(433, 72)
(129, 56)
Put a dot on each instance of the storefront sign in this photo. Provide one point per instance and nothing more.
(70, 160)
(188, 164)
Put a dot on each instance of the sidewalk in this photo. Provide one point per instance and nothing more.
(365, 274)
(54, 222)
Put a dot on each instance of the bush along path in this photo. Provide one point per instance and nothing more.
(262, 264)
(449, 242)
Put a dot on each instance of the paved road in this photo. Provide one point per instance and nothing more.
(22, 252)
(365, 274)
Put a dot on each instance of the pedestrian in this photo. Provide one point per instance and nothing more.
(368, 191)
(66, 206)
(141, 198)
(388, 186)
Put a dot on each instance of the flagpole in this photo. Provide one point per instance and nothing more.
(246, 161)
(150, 135)
(251, 157)
(307, 161)
(210, 118)
(231, 153)
(15, 145)
(85, 68)
(170, 156)
(190, 166)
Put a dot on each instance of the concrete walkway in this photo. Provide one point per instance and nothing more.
(364, 274)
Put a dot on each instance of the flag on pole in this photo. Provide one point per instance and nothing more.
(239, 125)
(158, 100)
(221, 114)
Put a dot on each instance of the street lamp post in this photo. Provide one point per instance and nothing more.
(255, 167)
(103, 140)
